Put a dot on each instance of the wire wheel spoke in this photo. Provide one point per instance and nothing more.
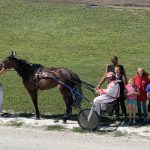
(90, 124)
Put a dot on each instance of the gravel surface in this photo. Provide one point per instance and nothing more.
(32, 139)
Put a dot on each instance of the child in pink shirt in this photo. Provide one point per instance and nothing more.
(132, 92)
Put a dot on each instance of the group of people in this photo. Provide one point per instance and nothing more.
(135, 90)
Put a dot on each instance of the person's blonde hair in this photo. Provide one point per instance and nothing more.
(130, 80)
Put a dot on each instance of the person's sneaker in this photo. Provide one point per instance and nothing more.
(139, 119)
(134, 122)
(145, 121)
(117, 122)
(125, 120)
(148, 120)
(1, 114)
(129, 123)
(118, 119)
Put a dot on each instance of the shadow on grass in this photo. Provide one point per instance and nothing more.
(55, 128)
(15, 123)
(101, 130)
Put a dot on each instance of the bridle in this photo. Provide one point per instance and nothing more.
(7, 69)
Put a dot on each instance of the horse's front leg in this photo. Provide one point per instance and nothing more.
(33, 94)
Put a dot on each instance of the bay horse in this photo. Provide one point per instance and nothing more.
(31, 75)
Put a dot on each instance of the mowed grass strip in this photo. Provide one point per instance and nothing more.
(71, 36)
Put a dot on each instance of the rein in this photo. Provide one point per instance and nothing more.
(71, 89)
(85, 85)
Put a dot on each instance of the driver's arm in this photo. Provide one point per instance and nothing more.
(101, 91)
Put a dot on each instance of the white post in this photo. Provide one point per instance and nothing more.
(1, 98)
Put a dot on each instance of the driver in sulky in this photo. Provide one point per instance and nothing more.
(107, 95)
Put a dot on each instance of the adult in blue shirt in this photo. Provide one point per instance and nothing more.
(148, 97)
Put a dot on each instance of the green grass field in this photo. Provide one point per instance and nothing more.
(72, 36)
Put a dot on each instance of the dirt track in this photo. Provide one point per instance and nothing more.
(31, 139)
(140, 3)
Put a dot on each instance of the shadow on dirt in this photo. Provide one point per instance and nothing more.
(31, 115)
(107, 123)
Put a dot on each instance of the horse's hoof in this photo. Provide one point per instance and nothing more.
(36, 118)
(64, 122)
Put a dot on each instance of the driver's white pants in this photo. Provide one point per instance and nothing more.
(99, 100)
(1, 98)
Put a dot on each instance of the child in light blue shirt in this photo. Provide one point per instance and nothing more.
(148, 97)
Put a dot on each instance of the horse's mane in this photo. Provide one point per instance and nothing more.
(26, 69)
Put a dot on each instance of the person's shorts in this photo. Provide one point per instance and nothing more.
(132, 102)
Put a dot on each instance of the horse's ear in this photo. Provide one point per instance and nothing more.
(13, 53)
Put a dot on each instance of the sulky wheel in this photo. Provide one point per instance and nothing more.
(88, 124)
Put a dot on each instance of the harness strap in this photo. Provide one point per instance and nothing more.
(37, 76)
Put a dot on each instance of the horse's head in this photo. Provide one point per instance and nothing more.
(8, 62)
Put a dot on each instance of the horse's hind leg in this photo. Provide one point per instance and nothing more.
(68, 102)
(67, 96)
